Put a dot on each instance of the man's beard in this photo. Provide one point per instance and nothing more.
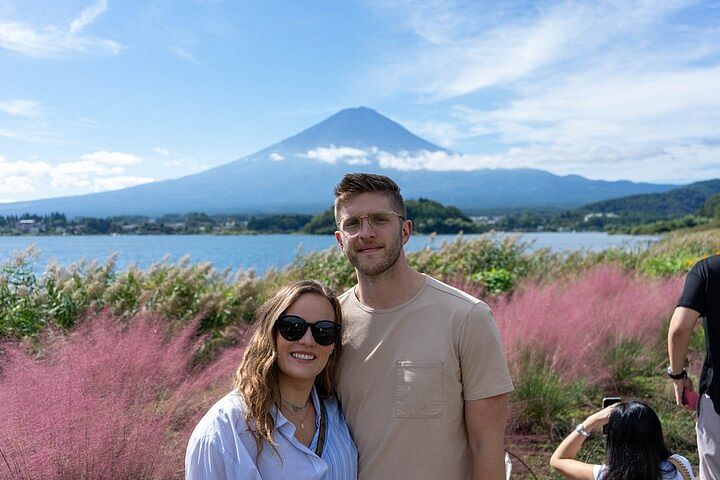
(392, 253)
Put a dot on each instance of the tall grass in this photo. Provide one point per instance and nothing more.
(59, 297)
(578, 324)
(601, 330)
(178, 292)
(105, 402)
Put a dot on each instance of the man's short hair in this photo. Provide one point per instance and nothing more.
(353, 184)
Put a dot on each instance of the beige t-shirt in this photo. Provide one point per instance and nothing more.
(405, 373)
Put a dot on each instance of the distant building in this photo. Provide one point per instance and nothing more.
(600, 215)
(176, 225)
(486, 220)
(28, 226)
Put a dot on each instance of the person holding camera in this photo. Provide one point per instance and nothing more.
(635, 447)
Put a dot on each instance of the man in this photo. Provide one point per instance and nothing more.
(700, 297)
(422, 380)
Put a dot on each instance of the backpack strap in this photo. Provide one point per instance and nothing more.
(680, 466)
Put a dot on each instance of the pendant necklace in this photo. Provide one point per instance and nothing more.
(301, 420)
(296, 408)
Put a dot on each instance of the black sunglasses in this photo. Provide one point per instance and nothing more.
(292, 328)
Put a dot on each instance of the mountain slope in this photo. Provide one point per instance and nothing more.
(297, 175)
(659, 206)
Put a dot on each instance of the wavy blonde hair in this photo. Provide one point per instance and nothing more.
(257, 377)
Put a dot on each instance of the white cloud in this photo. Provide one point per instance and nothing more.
(20, 177)
(172, 163)
(52, 40)
(674, 164)
(23, 168)
(623, 109)
(333, 155)
(185, 55)
(161, 151)
(87, 16)
(276, 157)
(604, 89)
(80, 174)
(438, 160)
(14, 185)
(116, 183)
(112, 158)
(97, 171)
(22, 108)
(443, 133)
(467, 47)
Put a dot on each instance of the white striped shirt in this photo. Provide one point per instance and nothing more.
(222, 447)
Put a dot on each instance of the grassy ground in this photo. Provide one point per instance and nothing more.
(535, 446)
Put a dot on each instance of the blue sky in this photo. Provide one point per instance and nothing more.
(102, 94)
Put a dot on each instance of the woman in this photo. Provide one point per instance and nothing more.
(282, 418)
(635, 447)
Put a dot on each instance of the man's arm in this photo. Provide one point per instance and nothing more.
(682, 324)
(485, 423)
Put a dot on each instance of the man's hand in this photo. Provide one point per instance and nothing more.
(680, 385)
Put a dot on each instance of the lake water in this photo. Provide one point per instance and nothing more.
(259, 252)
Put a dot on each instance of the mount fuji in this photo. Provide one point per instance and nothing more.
(297, 175)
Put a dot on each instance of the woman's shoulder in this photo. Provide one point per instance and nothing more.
(222, 418)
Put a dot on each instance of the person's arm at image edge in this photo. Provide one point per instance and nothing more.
(563, 458)
(485, 422)
(682, 324)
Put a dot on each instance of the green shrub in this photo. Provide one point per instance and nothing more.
(495, 262)
(628, 361)
(495, 280)
(541, 398)
(329, 266)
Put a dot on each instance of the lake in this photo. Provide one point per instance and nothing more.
(259, 252)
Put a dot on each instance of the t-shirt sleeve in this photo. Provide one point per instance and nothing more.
(482, 363)
(694, 293)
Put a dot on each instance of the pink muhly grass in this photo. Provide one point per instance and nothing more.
(570, 326)
(104, 403)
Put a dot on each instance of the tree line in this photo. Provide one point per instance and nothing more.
(646, 214)
(429, 216)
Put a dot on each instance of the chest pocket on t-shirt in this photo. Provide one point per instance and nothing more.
(419, 389)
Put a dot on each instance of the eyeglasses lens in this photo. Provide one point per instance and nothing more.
(352, 225)
(293, 328)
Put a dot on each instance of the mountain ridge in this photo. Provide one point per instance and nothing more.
(298, 174)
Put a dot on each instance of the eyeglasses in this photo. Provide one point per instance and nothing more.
(293, 328)
(352, 225)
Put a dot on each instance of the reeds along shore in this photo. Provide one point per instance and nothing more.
(104, 373)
